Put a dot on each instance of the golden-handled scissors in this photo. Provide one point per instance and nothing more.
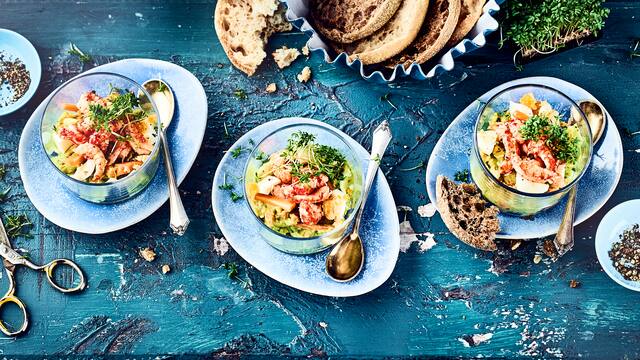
(11, 259)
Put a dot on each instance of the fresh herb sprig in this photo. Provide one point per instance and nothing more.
(17, 225)
(240, 94)
(462, 175)
(229, 187)
(74, 50)
(545, 26)
(125, 103)
(322, 159)
(554, 134)
(233, 273)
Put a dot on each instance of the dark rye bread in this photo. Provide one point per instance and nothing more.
(470, 12)
(346, 21)
(467, 215)
(438, 26)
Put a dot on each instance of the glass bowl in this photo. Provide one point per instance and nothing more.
(108, 192)
(277, 141)
(506, 198)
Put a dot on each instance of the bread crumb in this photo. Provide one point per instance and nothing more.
(271, 88)
(148, 254)
(305, 50)
(305, 75)
(285, 56)
(165, 268)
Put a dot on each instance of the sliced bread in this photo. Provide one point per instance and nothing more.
(439, 25)
(467, 215)
(244, 27)
(391, 39)
(346, 21)
(470, 12)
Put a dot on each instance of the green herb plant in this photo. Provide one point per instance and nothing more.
(74, 50)
(17, 225)
(545, 26)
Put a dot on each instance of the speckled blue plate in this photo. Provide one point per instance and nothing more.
(185, 135)
(613, 224)
(15, 46)
(380, 229)
(451, 154)
(298, 10)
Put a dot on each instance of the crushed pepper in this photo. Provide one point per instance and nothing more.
(625, 254)
(14, 74)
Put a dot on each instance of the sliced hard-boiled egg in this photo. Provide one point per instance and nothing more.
(530, 187)
(62, 144)
(265, 186)
(519, 111)
(487, 141)
(85, 170)
(336, 206)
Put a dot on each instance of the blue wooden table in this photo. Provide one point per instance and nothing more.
(435, 301)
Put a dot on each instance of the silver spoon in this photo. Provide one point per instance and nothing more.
(596, 118)
(345, 260)
(163, 98)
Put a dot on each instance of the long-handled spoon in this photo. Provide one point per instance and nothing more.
(596, 118)
(163, 98)
(345, 260)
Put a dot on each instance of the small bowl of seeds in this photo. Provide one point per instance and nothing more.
(20, 71)
(618, 244)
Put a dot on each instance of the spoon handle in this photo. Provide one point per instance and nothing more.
(179, 221)
(381, 138)
(564, 238)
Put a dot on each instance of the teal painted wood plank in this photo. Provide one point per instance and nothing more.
(434, 298)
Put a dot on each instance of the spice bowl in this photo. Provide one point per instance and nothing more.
(612, 226)
(17, 49)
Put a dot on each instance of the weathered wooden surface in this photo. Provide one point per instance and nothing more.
(433, 299)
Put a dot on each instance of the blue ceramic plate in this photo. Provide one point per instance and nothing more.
(298, 10)
(16, 46)
(380, 228)
(613, 224)
(185, 135)
(451, 154)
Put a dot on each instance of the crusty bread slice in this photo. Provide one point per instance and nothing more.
(470, 12)
(467, 215)
(244, 27)
(397, 34)
(346, 21)
(439, 25)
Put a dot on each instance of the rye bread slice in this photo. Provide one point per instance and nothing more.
(244, 27)
(439, 25)
(470, 12)
(467, 215)
(346, 21)
(391, 39)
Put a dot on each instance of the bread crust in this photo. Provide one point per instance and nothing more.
(452, 201)
(346, 21)
(390, 40)
(470, 12)
(439, 25)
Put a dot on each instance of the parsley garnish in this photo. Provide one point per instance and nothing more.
(74, 50)
(17, 225)
(554, 134)
(122, 104)
(240, 94)
(224, 185)
(322, 159)
(237, 151)
(462, 175)
(235, 196)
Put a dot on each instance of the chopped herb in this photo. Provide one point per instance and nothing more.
(420, 165)
(162, 87)
(232, 269)
(554, 134)
(74, 50)
(17, 225)
(123, 104)
(322, 159)
(3, 171)
(237, 152)
(635, 49)
(235, 196)
(224, 185)
(4, 193)
(251, 142)
(240, 94)
(386, 97)
(462, 175)
(261, 156)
